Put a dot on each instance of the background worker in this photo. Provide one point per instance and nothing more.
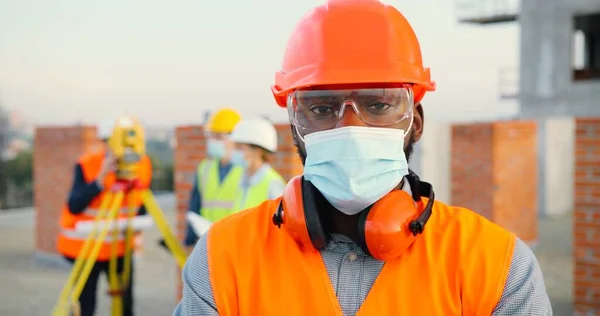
(255, 140)
(358, 234)
(217, 181)
(94, 175)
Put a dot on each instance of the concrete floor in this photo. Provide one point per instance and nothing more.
(31, 289)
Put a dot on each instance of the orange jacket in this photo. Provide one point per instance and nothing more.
(69, 241)
(457, 267)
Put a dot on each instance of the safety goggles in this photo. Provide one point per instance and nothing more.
(318, 110)
(216, 136)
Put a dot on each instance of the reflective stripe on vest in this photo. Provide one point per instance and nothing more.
(124, 211)
(73, 234)
(458, 266)
(218, 198)
(257, 193)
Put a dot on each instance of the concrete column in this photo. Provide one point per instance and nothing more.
(435, 158)
(558, 162)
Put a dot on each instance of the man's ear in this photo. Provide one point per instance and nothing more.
(418, 122)
(299, 146)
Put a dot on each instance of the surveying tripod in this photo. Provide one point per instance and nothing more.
(108, 213)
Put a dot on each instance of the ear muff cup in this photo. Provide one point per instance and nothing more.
(384, 228)
(313, 203)
(300, 213)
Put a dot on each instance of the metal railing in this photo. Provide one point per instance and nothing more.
(489, 11)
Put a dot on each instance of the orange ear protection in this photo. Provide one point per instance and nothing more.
(385, 229)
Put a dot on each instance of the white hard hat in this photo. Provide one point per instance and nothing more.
(106, 127)
(255, 131)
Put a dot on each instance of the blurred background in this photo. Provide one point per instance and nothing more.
(512, 131)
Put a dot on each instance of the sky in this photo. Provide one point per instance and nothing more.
(167, 63)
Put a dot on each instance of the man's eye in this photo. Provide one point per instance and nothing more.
(379, 107)
(321, 109)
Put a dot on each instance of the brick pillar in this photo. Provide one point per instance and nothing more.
(189, 151)
(586, 219)
(286, 161)
(494, 173)
(55, 152)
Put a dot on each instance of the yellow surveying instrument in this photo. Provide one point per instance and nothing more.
(128, 144)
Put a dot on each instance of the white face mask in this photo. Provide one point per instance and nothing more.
(216, 148)
(355, 166)
(238, 158)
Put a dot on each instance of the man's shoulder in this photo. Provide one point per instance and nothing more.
(204, 162)
(470, 241)
(90, 158)
(472, 234)
(253, 220)
(446, 214)
(245, 231)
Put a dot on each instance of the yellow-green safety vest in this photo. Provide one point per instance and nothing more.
(257, 193)
(218, 199)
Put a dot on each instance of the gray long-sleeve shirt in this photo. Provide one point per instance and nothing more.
(524, 292)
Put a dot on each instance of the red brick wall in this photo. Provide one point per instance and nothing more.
(286, 160)
(55, 152)
(494, 173)
(586, 219)
(471, 174)
(190, 150)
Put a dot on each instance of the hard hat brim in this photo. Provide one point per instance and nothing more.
(319, 75)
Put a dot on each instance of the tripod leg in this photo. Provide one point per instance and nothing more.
(113, 276)
(61, 307)
(120, 282)
(123, 281)
(129, 235)
(163, 225)
(87, 268)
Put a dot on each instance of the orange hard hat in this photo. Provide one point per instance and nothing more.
(350, 42)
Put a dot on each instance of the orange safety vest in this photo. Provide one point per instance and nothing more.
(457, 267)
(69, 241)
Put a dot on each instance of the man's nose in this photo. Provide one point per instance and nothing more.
(350, 118)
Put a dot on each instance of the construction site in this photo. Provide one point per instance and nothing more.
(535, 173)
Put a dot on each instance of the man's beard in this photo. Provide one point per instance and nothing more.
(408, 151)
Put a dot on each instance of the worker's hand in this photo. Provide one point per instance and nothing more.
(108, 165)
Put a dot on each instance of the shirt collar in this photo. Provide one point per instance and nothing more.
(339, 239)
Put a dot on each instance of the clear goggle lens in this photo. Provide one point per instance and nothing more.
(319, 110)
